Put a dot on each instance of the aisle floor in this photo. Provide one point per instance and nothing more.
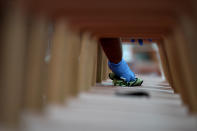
(100, 109)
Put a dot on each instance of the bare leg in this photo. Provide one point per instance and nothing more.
(112, 48)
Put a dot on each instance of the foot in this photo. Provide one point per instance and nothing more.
(122, 70)
(117, 81)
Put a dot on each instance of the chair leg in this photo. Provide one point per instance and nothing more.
(99, 64)
(35, 65)
(12, 65)
(94, 79)
(105, 67)
(165, 64)
(56, 89)
(185, 35)
(175, 64)
(72, 62)
(86, 62)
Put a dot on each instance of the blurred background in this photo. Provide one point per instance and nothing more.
(142, 59)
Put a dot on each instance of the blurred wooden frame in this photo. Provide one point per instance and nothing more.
(12, 59)
(76, 56)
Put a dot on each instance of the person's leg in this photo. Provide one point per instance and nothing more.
(113, 50)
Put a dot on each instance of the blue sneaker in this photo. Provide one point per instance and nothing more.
(122, 70)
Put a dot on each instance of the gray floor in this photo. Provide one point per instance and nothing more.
(101, 110)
